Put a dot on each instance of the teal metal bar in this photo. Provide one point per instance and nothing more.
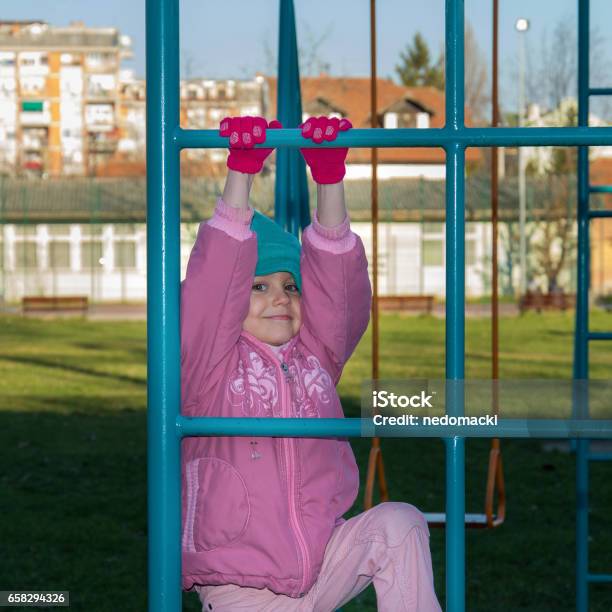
(581, 337)
(600, 336)
(163, 283)
(600, 456)
(600, 189)
(600, 214)
(163, 249)
(600, 91)
(599, 577)
(506, 428)
(455, 303)
(409, 137)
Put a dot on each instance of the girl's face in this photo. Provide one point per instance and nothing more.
(274, 314)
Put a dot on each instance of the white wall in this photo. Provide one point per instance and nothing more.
(400, 245)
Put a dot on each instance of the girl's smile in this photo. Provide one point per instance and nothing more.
(274, 311)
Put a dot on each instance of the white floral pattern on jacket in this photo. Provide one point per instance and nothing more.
(253, 385)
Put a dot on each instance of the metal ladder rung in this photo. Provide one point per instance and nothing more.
(599, 577)
(600, 91)
(600, 189)
(600, 456)
(593, 214)
(600, 336)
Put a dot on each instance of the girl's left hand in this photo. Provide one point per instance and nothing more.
(327, 165)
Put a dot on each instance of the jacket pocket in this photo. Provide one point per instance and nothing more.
(217, 505)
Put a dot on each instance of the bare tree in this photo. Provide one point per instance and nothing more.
(188, 60)
(555, 242)
(552, 67)
(310, 56)
(476, 78)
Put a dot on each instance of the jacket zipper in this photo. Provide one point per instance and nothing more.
(289, 448)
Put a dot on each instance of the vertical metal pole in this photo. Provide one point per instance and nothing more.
(581, 347)
(163, 239)
(521, 171)
(495, 443)
(455, 307)
(374, 194)
(283, 95)
(299, 211)
(291, 189)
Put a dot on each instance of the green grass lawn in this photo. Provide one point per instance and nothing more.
(73, 477)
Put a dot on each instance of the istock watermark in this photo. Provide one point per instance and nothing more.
(386, 399)
(478, 405)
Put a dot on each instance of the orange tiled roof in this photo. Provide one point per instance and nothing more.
(353, 95)
(601, 171)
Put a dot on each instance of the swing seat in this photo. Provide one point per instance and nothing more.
(472, 521)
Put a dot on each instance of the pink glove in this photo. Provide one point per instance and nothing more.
(244, 133)
(326, 165)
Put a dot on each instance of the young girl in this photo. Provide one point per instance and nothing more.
(266, 328)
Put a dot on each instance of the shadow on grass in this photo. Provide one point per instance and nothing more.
(58, 362)
(74, 513)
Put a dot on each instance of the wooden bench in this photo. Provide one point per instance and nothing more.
(412, 303)
(78, 303)
(546, 301)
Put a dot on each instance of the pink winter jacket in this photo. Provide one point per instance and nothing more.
(259, 512)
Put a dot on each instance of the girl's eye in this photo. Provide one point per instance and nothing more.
(258, 287)
(292, 288)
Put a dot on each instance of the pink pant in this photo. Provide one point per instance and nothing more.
(387, 545)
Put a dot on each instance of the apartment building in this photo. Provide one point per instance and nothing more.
(59, 97)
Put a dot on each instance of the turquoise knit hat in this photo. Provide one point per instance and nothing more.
(277, 250)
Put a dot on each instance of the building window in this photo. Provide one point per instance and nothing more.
(92, 230)
(26, 254)
(422, 120)
(470, 252)
(433, 227)
(125, 254)
(406, 120)
(390, 121)
(124, 229)
(91, 255)
(433, 252)
(59, 229)
(59, 254)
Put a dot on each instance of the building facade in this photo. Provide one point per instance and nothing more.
(59, 97)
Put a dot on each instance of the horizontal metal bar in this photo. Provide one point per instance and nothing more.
(600, 456)
(321, 428)
(600, 336)
(433, 137)
(599, 214)
(600, 91)
(600, 189)
(599, 577)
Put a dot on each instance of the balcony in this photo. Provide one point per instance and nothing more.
(33, 118)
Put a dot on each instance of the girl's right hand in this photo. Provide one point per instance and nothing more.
(244, 133)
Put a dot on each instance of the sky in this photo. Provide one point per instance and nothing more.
(236, 38)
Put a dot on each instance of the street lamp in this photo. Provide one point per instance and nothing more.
(522, 25)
